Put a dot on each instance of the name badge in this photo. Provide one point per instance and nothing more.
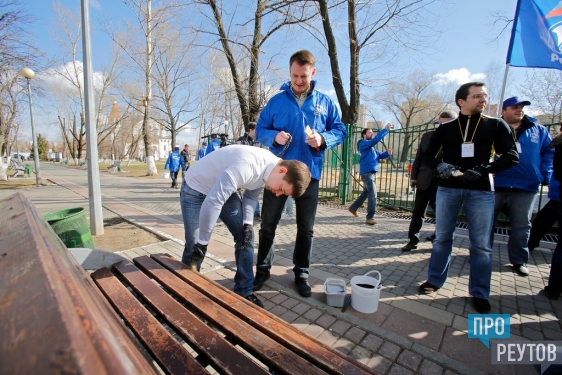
(518, 145)
(467, 150)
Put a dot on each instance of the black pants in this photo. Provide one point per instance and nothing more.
(271, 210)
(544, 220)
(423, 198)
(174, 176)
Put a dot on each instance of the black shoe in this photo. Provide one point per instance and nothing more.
(303, 287)
(430, 238)
(481, 305)
(257, 216)
(521, 269)
(252, 298)
(428, 288)
(259, 280)
(409, 246)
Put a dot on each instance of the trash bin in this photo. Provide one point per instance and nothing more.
(72, 227)
(28, 169)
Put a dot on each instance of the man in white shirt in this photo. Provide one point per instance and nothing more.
(209, 192)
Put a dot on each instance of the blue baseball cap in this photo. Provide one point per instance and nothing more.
(204, 143)
(513, 101)
(213, 136)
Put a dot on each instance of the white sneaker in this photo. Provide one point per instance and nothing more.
(286, 217)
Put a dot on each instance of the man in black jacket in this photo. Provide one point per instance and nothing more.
(422, 177)
(465, 179)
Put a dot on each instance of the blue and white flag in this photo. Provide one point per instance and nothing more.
(536, 37)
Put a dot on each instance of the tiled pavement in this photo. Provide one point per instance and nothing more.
(409, 333)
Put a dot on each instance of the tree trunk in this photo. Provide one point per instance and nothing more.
(150, 163)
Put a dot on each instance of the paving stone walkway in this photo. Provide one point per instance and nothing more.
(409, 334)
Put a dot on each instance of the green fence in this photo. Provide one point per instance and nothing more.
(342, 183)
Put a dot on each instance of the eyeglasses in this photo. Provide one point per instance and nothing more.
(479, 96)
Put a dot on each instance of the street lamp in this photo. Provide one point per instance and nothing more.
(29, 74)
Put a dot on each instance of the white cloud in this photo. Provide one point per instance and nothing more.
(62, 78)
(458, 76)
(95, 4)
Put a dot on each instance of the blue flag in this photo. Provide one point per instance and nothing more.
(536, 37)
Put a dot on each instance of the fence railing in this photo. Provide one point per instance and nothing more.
(341, 181)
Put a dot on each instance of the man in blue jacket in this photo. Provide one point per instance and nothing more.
(368, 168)
(174, 162)
(214, 145)
(516, 187)
(281, 127)
(202, 150)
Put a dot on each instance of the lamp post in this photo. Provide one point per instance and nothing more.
(29, 74)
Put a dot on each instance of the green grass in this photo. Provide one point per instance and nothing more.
(18, 183)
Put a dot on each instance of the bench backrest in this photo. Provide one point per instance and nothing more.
(52, 318)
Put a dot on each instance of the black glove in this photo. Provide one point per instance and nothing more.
(472, 174)
(247, 236)
(445, 170)
(197, 253)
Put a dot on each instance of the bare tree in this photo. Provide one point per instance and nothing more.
(174, 73)
(142, 54)
(543, 88)
(15, 52)
(375, 28)
(242, 39)
(414, 101)
(71, 94)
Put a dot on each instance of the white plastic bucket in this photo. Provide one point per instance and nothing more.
(335, 289)
(365, 299)
(165, 176)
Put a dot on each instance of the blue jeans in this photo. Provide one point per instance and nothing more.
(479, 208)
(369, 192)
(272, 209)
(519, 207)
(231, 215)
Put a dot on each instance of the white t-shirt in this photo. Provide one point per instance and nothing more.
(221, 173)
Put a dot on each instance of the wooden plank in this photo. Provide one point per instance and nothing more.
(168, 352)
(49, 319)
(208, 342)
(273, 354)
(325, 357)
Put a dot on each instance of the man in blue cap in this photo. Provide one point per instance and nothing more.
(516, 188)
(174, 162)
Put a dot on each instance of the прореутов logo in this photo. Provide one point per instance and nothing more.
(513, 352)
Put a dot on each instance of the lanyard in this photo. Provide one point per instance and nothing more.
(466, 132)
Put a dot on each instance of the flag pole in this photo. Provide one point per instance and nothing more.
(503, 90)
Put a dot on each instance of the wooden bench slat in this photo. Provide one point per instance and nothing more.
(258, 344)
(212, 345)
(168, 352)
(51, 318)
(325, 357)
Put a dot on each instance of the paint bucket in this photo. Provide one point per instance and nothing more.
(365, 292)
(165, 176)
(335, 290)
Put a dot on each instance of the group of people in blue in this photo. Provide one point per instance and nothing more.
(452, 169)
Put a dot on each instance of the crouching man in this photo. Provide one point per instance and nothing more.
(209, 192)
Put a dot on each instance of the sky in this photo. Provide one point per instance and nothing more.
(467, 45)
